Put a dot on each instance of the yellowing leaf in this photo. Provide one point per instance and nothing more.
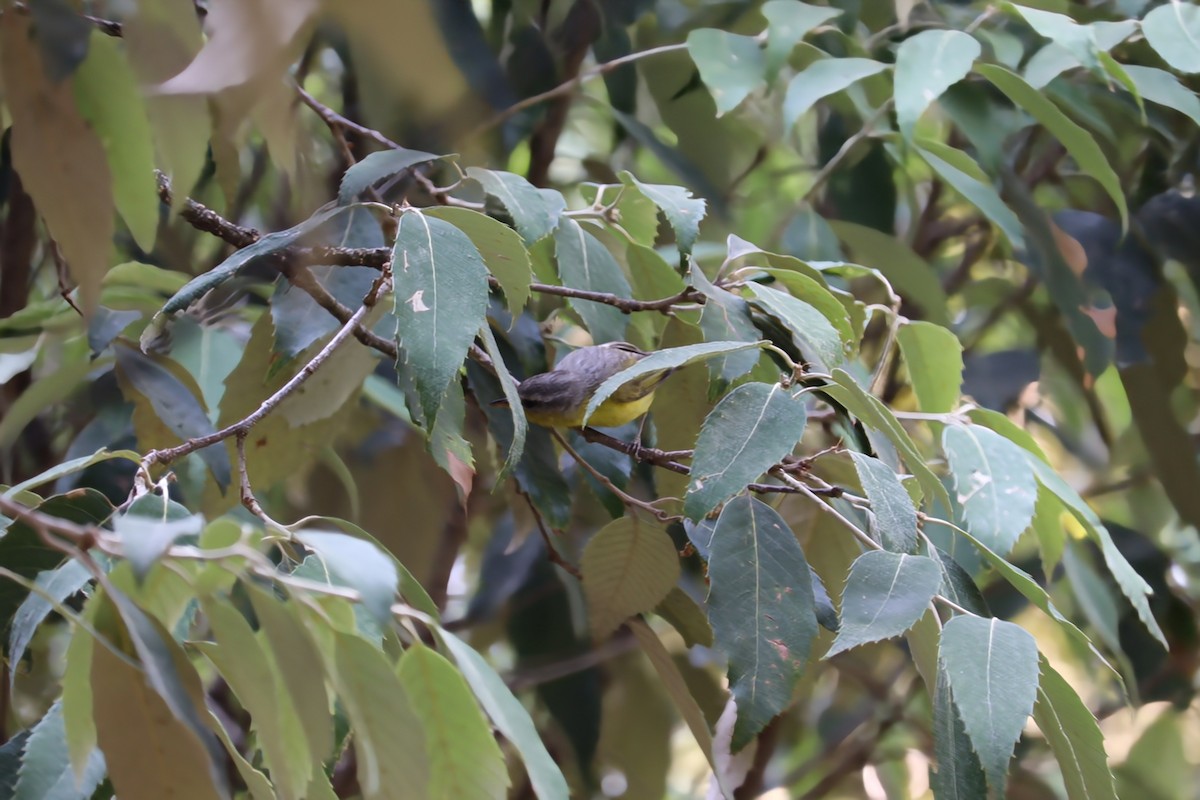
(628, 568)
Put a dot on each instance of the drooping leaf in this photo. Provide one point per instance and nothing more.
(464, 759)
(150, 525)
(927, 64)
(686, 617)
(585, 263)
(1078, 142)
(533, 213)
(46, 773)
(893, 517)
(670, 358)
(819, 340)
(821, 79)
(629, 566)
(995, 486)
(788, 21)
(749, 431)
(885, 595)
(69, 467)
(377, 166)
(1074, 736)
(441, 302)
(726, 316)
(992, 667)
(361, 564)
(109, 98)
(959, 775)
(509, 716)
(520, 425)
(934, 359)
(60, 583)
(682, 211)
(1173, 30)
(760, 604)
(501, 248)
(958, 169)
(731, 65)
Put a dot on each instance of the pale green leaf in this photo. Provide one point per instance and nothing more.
(927, 64)
(958, 169)
(1173, 30)
(731, 65)
(363, 565)
(959, 775)
(628, 568)
(994, 484)
(686, 617)
(1160, 86)
(819, 341)
(682, 211)
(502, 250)
(934, 359)
(909, 274)
(46, 773)
(821, 79)
(789, 21)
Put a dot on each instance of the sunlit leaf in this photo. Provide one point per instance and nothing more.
(927, 64)
(686, 617)
(788, 21)
(885, 595)
(361, 564)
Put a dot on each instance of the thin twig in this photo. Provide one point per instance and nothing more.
(626, 498)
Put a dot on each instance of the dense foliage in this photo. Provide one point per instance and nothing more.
(915, 511)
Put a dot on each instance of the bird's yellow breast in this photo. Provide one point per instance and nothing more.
(611, 414)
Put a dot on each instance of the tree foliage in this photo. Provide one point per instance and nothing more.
(901, 519)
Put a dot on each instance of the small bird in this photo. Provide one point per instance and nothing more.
(558, 398)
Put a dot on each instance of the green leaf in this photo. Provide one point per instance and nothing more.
(670, 358)
(110, 99)
(70, 467)
(959, 775)
(1173, 30)
(725, 317)
(893, 516)
(389, 738)
(760, 604)
(682, 211)
(464, 759)
(150, 526)
(927, 64)
(1078, 142)
(520, 426)
(46, 773)
(629, 566)
(77, 690)
(933, 356)
(1073, 735)
(1076, 39)
(270, 243)
(965, 177)
(821, 79)
(732, 66)
(363, 565)
(789, 21)
(819, 341)
(46, 391)
(242, 661)
(994, 484)
(501, 249)
(377, 166)
(909, 274)
(748, 432)
(871, 411)
(535, 214)
(992, 668)
(885, 595)
(679, 609)
(509, 716)
(1132, 585)
(441, 302)
(60, 583)
(1160, 86)
(585, 263)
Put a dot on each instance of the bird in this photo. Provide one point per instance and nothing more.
(558, 398)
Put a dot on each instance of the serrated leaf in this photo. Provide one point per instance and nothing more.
(629, 566)
(77, 691)
(1173, 30)
(110, 99)
(731, 65)
(933, 356)
(748, 432)
(363, 565)
(682, 211)
(585, 263)
(957, 584)
(992, 667)
(909, 274)
(959, 775)
(256, 783)
(1160, 86)
(377, 166)
(1074, 736)
(819, 341)
(885, 595)
(995, 487)
(821, 79)
(686, 617)
(243, 662)
(510, 717)
(670, 358)
(893, 517)
(389, 737)
(725, 317)
(1078, 142)
(150, 526)
(534, 214)
(61, 161)
(465, 761)
(501, 248)
(10, 763)
(60, 583)
(520, 425)
(927, 64)
(760, 604)
(45, 772)
(788, 21)
(958, 169)
(815, 292)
